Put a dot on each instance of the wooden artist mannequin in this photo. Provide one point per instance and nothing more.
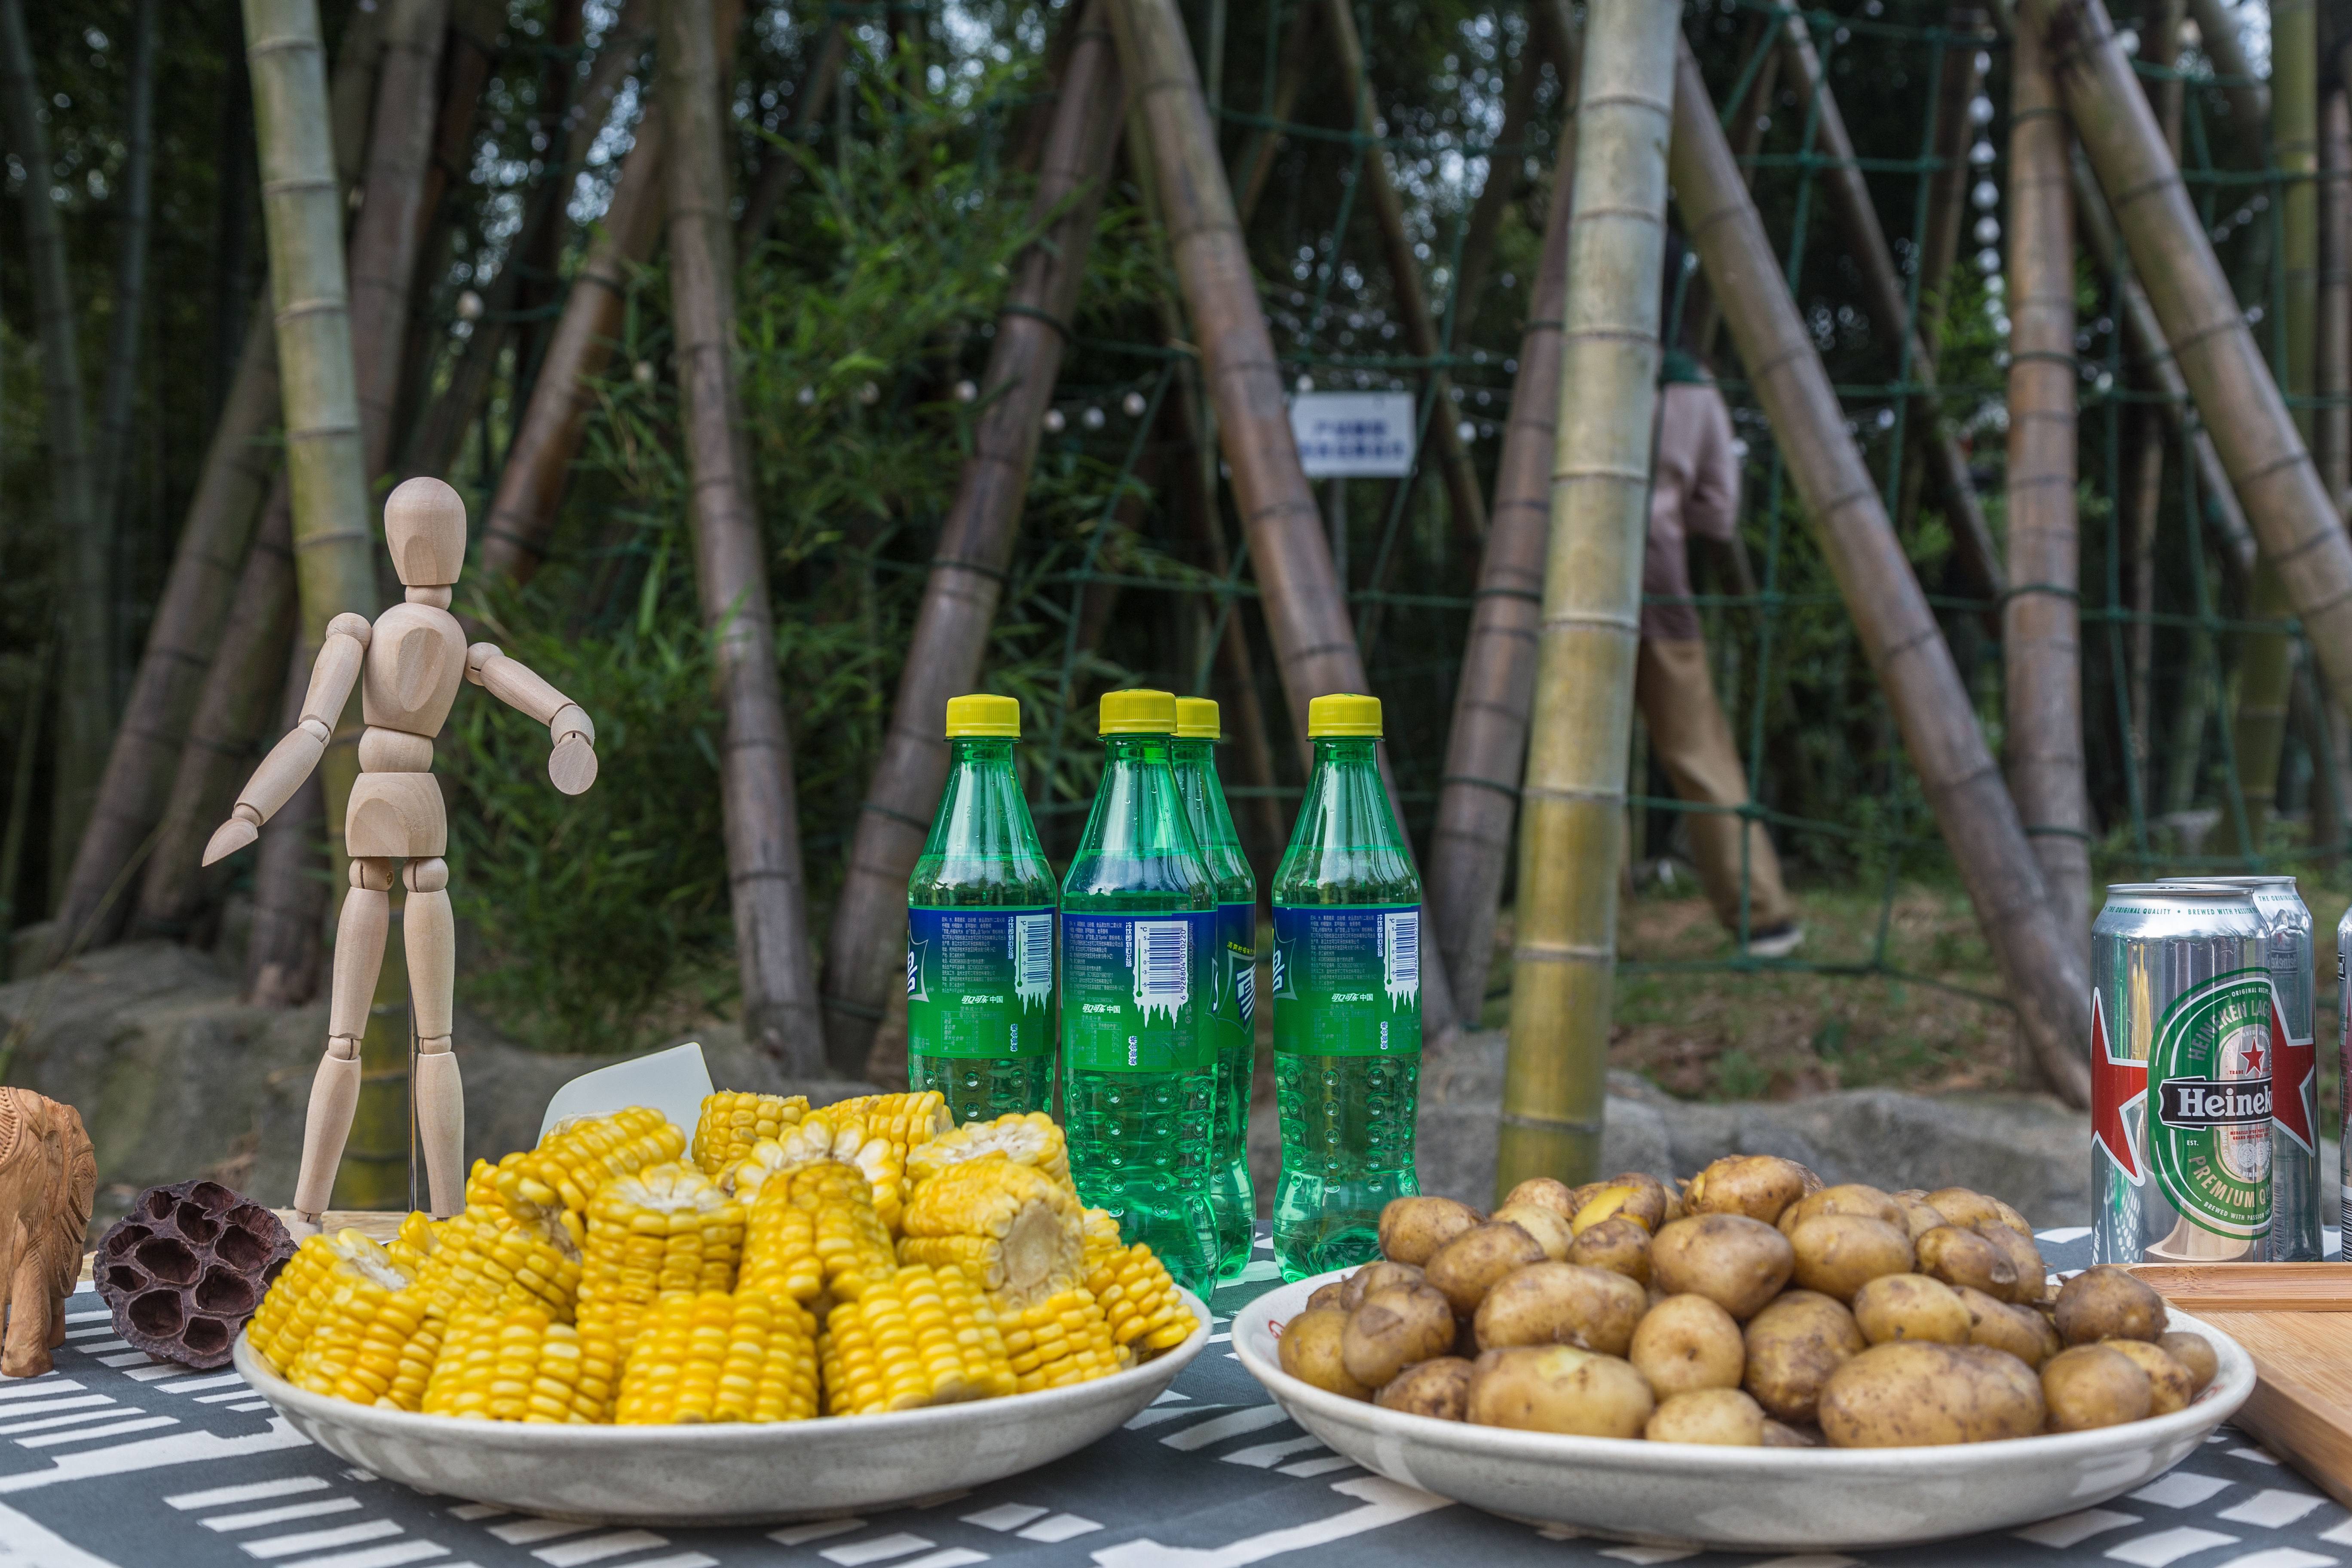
(407, 665)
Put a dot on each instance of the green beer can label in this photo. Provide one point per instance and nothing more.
(1347, 980)
(980, 983)
(2208, 1083)
(1135, 991)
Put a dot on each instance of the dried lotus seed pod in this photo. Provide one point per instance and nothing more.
(186, 1267)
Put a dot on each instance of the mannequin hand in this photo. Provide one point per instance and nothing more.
(572, 767)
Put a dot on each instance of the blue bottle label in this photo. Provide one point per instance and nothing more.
(1347, 980)
(1135, 991)
(980, 983)
(1236, 1005)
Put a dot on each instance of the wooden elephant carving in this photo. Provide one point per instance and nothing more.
(48, 1175)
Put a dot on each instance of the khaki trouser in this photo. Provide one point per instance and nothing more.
(1692, 741)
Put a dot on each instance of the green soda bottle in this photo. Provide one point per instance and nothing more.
(979, 931)
(1138, 1061)
(1346, 1002)
(1233, 1006)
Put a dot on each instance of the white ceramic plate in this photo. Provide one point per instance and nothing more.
(732, 1473)
(1686, 1494)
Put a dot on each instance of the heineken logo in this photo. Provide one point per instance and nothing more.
(2198, 1102)
(2208, 1083)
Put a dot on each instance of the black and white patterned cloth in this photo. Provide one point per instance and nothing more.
(115, 1460)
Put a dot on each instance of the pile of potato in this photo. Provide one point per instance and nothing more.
(1755, 1307)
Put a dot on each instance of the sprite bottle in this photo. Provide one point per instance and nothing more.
(1139, 1059)
(1346, 1002)
(979, 931)
(1232, 1004)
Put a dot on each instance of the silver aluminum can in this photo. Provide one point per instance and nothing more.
(2297, 1205)
(2182, 1012)
(2344, 1059)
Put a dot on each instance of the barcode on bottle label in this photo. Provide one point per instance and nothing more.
(1162, 965)
(1401, 945)
(1033, 954)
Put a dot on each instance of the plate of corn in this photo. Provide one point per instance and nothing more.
(796, 1312)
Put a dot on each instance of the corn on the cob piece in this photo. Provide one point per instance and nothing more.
(1061, 1341)
(907, 1120)
(417, 1239)
(1139, 1301)
(733, 1121)
(822, 1135)
(667, 1229)
(486, 1259)
(1102, 1238)
(372, 1347)
(521, 1366)
(1022, 1138)
(916, 1339)
(1012, 1228)
(306, 1290)
(572, 1162)
(715, 1357)
(812, 1232)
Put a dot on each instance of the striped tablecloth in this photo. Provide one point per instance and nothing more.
(114, 1459)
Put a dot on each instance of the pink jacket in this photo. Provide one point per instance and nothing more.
(1695, 493)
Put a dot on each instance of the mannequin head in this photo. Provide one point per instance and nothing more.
(425, 529)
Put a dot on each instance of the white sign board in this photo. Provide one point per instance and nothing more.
(1354, 434)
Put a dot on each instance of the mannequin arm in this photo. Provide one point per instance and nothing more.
(572, 767)
(289, 762)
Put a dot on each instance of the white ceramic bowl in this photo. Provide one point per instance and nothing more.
(732, 1473)
(1686, 1494)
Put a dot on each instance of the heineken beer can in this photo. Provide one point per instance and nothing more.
(2182, 1015)
(2296, 1205)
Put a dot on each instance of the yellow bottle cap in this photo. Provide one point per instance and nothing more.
(1138, 713)
(1196, 719)
(1342, 715)
(983, 715)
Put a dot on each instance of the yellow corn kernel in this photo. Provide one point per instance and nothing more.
(1028, 1138)
(1102, 1238)
(893, 1126)
(294, 1286)
(1061, 1341)
(733, 1121)
(1139, 1301)
(578, 1157)
(821, 1136)
(715, 1357)
(418, 1237)
(486, 1259)
(813, 1233)
(386, 1361)
(318, 1293)
(519, 1366)
(1011, 1228)
(666, 1230)
(922, 1337)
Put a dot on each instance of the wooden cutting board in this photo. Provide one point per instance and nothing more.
(2295, 1320)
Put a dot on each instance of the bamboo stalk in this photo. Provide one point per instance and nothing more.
(1255, 164)
(1306, 611)
(2041, 643)
(1701, 318)
(967, 573)
(1883, 297)
(778, 169)
(2046, 981)
(85, 544)
(1503, 175)
(1572, 807)
(1485, 747)
(117, 442)
(205, 565)
(1947, 205)
(2249, 99)
(389, 233)
(2334, 324)
(756, 791)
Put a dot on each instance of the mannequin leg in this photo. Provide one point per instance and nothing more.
(335, 1092)
(432, 976)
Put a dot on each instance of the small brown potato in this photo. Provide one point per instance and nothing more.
(1917, 1217)
(2169, 1385)
(1309, 1351)
(1618, 1244)
(1555, 1196)
(1896, 1307)
(1561, 1304)
(1963, 1207)
(1914, 1394)
(1685, 1343)
(1793, 1346)
(1378, 1274)
(1393, 1329)
(1439, 1388)
(1722, 1416)
(1559, 1388)
(1851, 1198)
(1636, 1197)
(2093, 1385)
(2033, 1273)
(2106, 1303)
(1780, 1435)
(1413, 1229)
(1756, 1185)
(1467, 1266)
(1838, 1253)
(1737, 1262)
(2194, 1354)
(1654, 1200)
(1553, 1233)
(1326, 1296)
(1958, 1257)
(2020, 1330)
